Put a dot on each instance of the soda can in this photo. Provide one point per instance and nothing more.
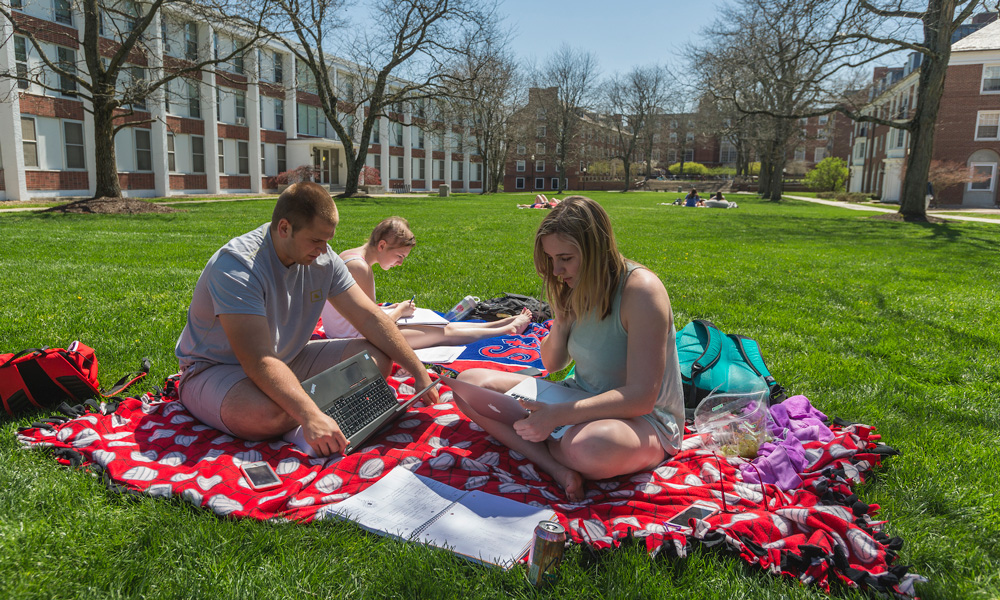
(546, 553)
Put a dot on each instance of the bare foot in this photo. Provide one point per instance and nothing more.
(572, 484)
(521, 321)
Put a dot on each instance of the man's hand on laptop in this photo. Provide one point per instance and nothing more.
(324, 435)
(431, 396)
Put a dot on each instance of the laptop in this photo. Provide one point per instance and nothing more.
(355, 395)
(504, 407)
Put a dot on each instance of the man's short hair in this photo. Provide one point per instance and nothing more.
(303, 202)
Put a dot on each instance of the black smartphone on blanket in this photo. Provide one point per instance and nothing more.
(695, 511)
(260, 475)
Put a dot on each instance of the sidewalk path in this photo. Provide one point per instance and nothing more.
(870, 208)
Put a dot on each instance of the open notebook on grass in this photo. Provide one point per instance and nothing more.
(475, 525)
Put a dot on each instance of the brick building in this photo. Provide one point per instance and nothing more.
(231, 130)
(967, 129)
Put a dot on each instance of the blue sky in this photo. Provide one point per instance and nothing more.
(622, 34)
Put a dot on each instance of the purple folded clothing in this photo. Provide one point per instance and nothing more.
(792, 422)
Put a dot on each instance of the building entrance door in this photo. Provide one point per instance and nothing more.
(324, 165)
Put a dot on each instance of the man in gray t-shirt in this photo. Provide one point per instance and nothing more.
(246, 345)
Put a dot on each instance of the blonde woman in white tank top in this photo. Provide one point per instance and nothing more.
(614, 319)
(388, 246)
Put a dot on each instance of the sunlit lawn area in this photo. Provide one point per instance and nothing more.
(887, 323)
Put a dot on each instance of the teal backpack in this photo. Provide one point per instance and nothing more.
(712, 361)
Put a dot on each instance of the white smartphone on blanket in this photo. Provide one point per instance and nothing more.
(260, 475)
(695, 511)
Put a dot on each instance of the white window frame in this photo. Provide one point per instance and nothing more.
(33, 141)
(539, 183)
(519, 183)
(281, 155)
(194, 155)
(555, 183)
(67, 86)
(82, 145)
(520, 166)
(993, 176)
(539, 166)
(819, 154)
(539, 148)
(222, 156)
(521, 149)
(982, 83)
(243, 157)
(21, 63)
(540, 131)
(979, 118)
(135, 141)
(66, 20)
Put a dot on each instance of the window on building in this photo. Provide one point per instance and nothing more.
(539, 166)
(985, 171)
(419, 169)
(279, 69)
(222, 156)
(673, 123)
(311, 120)
(520, 166)
(689, 138)
(143, 150)
(540, 114)
(555, 183)
(194, 100)
(988, 125)
(420, 138)
(171, 155)
(399, 167)
(197, 154)
(521, 149)
(191, 40)
(377, 162)
(243, 153)
(164, 36)
(73, 140)
(900, 138)
(819, 154)
(63, 12)
(29, 142)
(21, 60)
(439, 169)
(689, 155)
(860, 150)
(540, 131)
(137, 81)
(18, 4)
(804, 121)
(539, 148)
(67, 61)
(397, 134)
(477, 171)
(991, 79)
(215, 44)
(673, 138)
(671, 156)
(539, 183)
(238, 60)
(824, 119)
(279, 114)
(263, 160)
(241, 107)
(282, 160)
(800, 153)
(218, 104)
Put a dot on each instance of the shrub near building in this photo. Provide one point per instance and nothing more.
(830, 175)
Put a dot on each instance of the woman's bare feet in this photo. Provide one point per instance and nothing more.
(572, 484)
(521, 321)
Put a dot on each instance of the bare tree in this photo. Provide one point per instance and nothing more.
(406, 55)
(573, 74)
(633, 102)
(117, 73)
(938, 20)
(782, 59)
(491, 93)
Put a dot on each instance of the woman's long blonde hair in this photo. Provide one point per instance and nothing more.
(583, 223)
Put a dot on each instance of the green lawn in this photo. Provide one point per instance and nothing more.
(891, 324)
(970, 213)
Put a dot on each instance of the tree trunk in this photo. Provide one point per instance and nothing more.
(352, 155)
(628, 180)
(764, 177)
(105, 164)
(912, 203)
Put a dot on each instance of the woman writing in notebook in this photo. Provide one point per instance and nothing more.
(613, 318)
(388, 246)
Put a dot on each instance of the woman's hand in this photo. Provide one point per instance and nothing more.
(403, 310)
(541, 421)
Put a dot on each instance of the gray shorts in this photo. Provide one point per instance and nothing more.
(202, 392)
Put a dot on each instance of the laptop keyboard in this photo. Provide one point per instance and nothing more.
(352, 413)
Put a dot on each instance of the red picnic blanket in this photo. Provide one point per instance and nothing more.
(815, 533)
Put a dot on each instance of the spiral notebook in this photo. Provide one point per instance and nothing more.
(475, 525)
